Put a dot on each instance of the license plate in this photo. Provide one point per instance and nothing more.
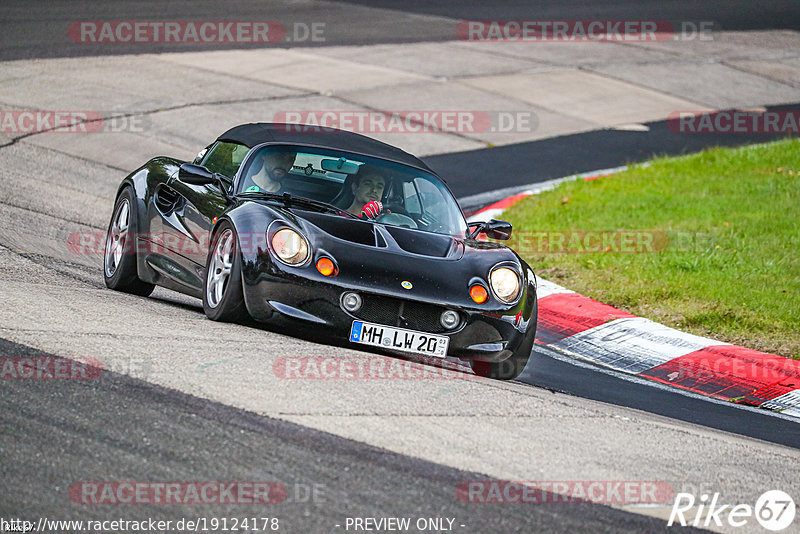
(389, 337)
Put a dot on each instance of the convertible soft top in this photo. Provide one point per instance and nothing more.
(256, 133)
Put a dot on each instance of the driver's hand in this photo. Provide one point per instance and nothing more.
(371, 209)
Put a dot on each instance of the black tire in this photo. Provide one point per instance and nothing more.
(225, 304)
(119, 258)
(512, 367)
(506, 370)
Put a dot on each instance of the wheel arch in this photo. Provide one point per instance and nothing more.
(252, 219)
(142, 181)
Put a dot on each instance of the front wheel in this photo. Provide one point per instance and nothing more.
(119, 259)
(506, 370)
(223, 298)
(512, 367)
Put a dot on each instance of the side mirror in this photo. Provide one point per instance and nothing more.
(190, 173)
(494, 229)
(498, 229)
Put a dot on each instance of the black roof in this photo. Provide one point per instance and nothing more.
(298, 134)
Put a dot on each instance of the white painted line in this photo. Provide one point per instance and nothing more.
(632, 345)
(788, 403)
(546, 287)
(483, 216)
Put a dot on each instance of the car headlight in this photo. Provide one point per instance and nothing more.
(290, 246)
(505, 284)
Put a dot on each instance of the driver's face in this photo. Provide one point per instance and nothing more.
(369, 188)
(278, 164)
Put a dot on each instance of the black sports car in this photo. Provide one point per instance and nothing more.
(329, 229)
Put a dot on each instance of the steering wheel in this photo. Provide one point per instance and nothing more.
(397, 208)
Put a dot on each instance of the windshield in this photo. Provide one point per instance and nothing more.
(411, 198)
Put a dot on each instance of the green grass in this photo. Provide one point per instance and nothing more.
(731, 270)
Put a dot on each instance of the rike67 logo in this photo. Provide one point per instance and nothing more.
(774, 510)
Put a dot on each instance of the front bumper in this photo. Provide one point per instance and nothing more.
(317, 305)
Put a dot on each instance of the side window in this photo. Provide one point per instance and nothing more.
(225, 158)
(200, 155)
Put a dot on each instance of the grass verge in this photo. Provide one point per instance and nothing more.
(715, 239)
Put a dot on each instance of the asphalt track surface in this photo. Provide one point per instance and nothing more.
(120, 428)
(30, 27)
(123, 428)
(730, 15)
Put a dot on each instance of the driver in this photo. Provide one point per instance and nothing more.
(367, 193)
(269, 169)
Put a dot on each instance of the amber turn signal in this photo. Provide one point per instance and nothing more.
(326, 267)
(478, 294)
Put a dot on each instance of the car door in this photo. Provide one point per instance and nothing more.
(188, 211)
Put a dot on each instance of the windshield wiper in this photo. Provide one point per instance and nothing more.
(288, 201)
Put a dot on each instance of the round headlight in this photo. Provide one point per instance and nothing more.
(290, 246)
(505, 284)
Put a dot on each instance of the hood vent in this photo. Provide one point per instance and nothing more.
(366, 233)
(352, 230)
(425, 243)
